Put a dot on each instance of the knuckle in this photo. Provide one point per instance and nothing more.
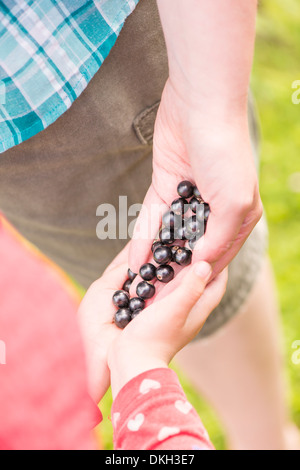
(198, 290)
(260, 209)
(246, 204)
(96, 286)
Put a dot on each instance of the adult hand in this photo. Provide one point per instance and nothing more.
(201, 131)
(219, 160)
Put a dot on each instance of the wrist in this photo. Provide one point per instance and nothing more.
(217, 96)
(202, 108)
(210, 49)
(125, 364)
(215, 132)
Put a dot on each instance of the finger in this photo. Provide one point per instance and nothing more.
(225, 234)
(179, 303)
(160, 287)
(221, 231)
(146, 229)
(163, 290)
(97, 306)
(209, 300)
(112, 279)
(246, 228)
(121, 258)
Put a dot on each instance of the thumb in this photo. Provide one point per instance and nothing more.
(184, 297)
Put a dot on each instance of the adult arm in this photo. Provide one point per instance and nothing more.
(201, 130)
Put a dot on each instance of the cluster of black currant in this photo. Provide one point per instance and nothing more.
(178, 229)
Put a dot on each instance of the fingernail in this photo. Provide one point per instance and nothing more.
(203, 270)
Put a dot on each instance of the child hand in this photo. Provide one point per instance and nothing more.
(154, 332)
(95, 316)
(153, 338)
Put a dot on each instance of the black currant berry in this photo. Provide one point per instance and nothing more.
(194, 203)
(136, 303)
(200, 212)
(165, 273)
(194, 227)
(183, 256)
(171, 220)
(166, 236)
(180, 206)
(147, 271)
(145, 290)
(127, 285)
(193, 241)
(197, 193)
(162, 255)
(122, 317)
(174, 248)
(180, 233)
(206, 211)
(155, 245)
(185, 189)
(131, 274)
(121, 299)
(136, 313)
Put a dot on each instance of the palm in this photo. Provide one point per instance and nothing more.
(219, 161)
(170, 160)
(98, 332)
(95, 316)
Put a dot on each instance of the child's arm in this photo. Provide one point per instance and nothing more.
(146, 346)
(151, 412)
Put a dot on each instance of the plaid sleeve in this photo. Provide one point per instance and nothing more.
(49, 51)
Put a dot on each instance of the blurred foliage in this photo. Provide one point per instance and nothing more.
(276, 67)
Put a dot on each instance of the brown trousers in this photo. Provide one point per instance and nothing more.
(52, 184)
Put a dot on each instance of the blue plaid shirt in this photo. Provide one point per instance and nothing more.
(49, 51)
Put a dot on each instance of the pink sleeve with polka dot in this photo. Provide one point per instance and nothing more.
(152, 412)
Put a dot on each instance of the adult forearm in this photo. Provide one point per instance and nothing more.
(210, 47)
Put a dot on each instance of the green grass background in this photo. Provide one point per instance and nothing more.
(276, 67)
